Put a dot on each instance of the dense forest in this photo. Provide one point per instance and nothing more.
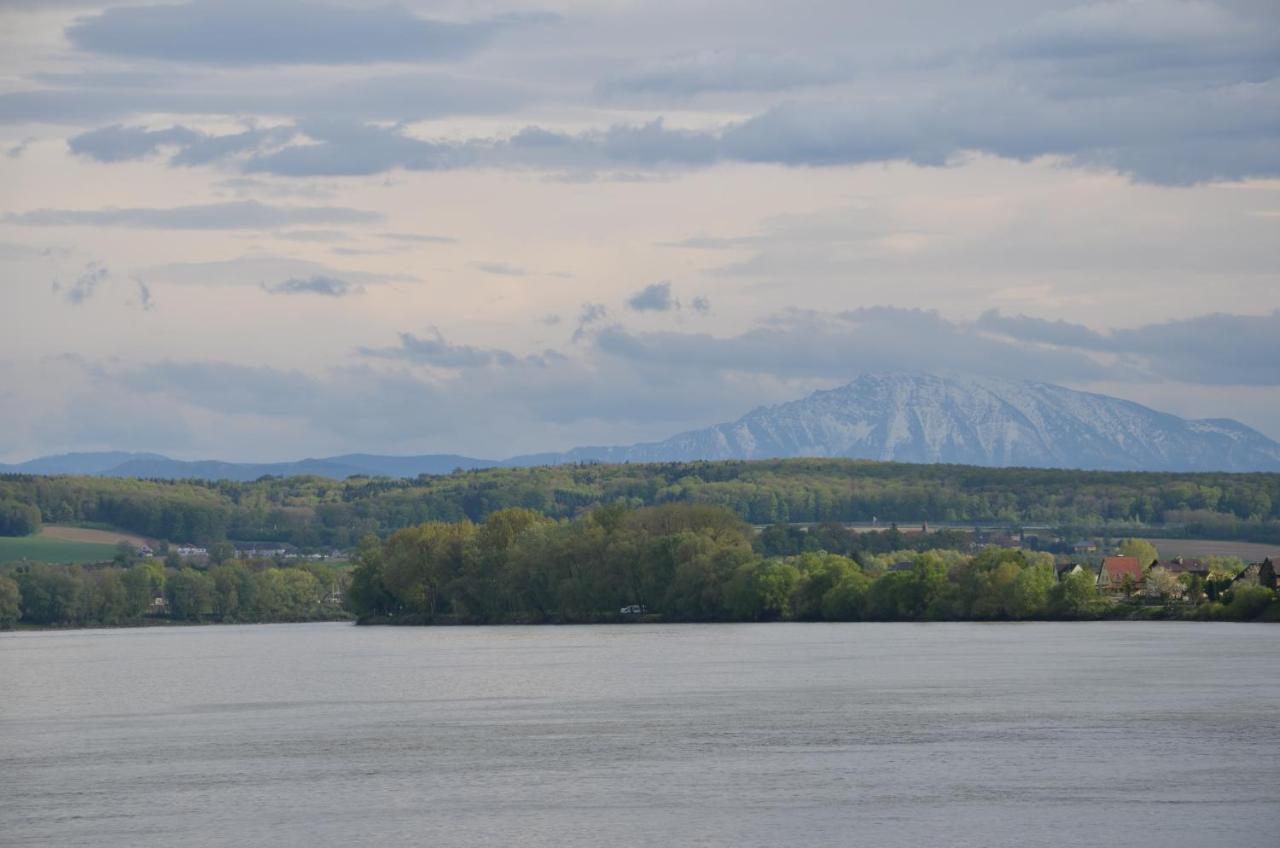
(682, 562)
(313, 512)
(132, 592)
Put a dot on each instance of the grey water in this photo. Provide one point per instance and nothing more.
(1138, 734)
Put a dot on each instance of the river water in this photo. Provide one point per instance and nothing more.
(1138, 734)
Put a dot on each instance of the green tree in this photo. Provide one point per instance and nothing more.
(1076, 596)
(190, 594)
(10, 603)
(220, 552)
(126, 554)
(420, 561)
(1031, 592)
(1162, 585)
(368, 594)
(49, 595)
(1249, 602)
(846, 600)
(1145, 552)
(18, 518)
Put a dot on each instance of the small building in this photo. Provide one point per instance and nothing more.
(1258, 574)
(1111, 577)
(905, 565)
(1179, 566)
(1063, 570)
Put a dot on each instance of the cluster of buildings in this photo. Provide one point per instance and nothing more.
(249, 550)
(1118, 575)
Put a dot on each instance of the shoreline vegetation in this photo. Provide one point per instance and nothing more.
(689, 563)
(673, 542)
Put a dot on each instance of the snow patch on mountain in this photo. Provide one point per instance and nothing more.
(911, 417)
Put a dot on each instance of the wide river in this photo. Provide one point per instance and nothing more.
(1135, 734)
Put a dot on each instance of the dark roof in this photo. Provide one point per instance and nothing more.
(1181, 565)
(905, 565)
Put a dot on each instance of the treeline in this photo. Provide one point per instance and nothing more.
(148, 592)
(681, 562)
(312, 512)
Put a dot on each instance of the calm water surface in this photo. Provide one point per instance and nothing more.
(757, 735)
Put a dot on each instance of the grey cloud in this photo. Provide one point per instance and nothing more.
(212, 148)
(15, 151)
(410, 96)
(236, 215)
(809, 345)
(434, 350)
(318, 284)
(701, 305)
(1024, 328)
(84, 285)
(726, 71)
(233, 388)
(592, 313)
(1158, 137)
(249, 32)
(119, 143)
(654, 298)
(501, 269)
(346, 148)
(1166, 92)
(1212, 349)
(1143, 41)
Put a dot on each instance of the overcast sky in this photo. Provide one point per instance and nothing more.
(266, 229)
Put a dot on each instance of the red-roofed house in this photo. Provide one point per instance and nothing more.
(1111, 577)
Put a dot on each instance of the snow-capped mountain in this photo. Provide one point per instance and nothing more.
(895, 416)
(970, 420)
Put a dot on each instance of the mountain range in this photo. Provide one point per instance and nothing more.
(903, 417)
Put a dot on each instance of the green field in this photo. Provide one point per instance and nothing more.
(45, 549)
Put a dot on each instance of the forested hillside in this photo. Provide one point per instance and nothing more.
(316, 512)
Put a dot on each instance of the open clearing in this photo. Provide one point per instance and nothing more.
(1247, 551)
(88, 534)
(43, 548)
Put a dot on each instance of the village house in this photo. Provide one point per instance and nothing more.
(1111, 577)
(1179, 566)
(1063, 570)
(1258, 574)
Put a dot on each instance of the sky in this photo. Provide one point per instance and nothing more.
(269, 229)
